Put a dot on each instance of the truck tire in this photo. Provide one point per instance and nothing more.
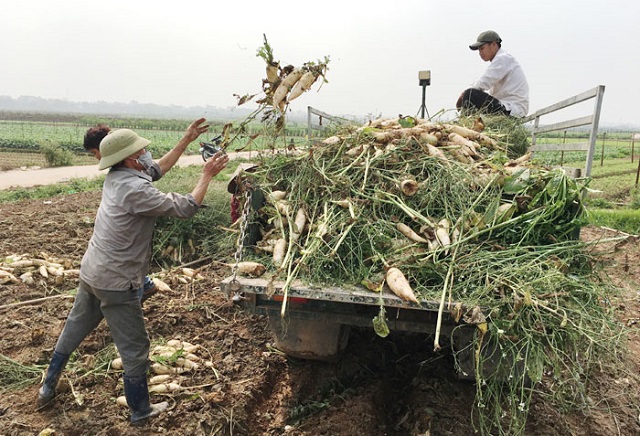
(496, 363)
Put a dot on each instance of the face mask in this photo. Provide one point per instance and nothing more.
(145, 160)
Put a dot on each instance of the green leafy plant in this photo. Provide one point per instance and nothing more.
(55, 155)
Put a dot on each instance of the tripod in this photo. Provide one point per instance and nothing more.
(423, 108)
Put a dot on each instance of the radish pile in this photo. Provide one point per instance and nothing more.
(406, 193)
(29, 269)
(446, 213)
(171, 362)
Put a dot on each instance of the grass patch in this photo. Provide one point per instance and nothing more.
(40, 192)
(15, 375)
(625, 220)
(179, 241)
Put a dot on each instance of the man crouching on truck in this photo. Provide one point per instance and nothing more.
(116, 262)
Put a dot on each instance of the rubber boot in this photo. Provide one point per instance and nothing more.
(48, 390)
(137, 393)
(148, 289)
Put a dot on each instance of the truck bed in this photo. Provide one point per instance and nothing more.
(353, 306)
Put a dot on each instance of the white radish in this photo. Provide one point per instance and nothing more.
(272, 72)
(442, 234)
(468, 147)
(332, 140)
(429, 138)
(436, 152)
(249, 268)
(409, 187)
(157, 379)
(159, 368)
(189, 272)
(122, 401)
(279, 251)
(300, 220)
(277, 195)
(20, 263)
(27, 278)
(164, 388)
(192, 357)
(43, 271)
(283, 207)
(182, 345)
(462, 131)
(116, 363)
(189, 347)
(399, 285)
(302, 85)
(176, 344)
(186, 363)
(409, 233)
(354, 151)
(280, 94)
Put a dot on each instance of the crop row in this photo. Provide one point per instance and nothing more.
(25, 135)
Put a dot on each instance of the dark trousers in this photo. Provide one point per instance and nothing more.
(124, 316)
(477, 100)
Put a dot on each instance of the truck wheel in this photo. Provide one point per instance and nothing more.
(308, 338)
(496, 363)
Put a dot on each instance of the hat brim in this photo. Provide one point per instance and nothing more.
(233, 182)
(113, 159)
(476, 45)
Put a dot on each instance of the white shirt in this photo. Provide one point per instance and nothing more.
(505, 80)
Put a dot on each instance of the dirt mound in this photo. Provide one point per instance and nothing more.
(393, 386)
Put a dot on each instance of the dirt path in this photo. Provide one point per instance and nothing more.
(46, 176)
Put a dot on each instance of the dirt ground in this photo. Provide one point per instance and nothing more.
(391, 386)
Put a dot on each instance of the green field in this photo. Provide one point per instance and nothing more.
(21, 140)
(614, 196)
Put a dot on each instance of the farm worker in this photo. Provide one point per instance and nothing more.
(116, 261)
(156, 169)
(503, 88)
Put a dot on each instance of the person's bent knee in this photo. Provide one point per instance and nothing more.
(468, 100)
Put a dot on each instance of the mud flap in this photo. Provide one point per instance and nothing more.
(308, 338)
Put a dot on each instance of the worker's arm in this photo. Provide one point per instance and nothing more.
(194, 130)
(210, 169)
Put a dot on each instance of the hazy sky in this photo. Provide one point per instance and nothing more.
(191, 53)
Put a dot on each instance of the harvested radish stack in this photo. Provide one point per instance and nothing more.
(171, 362)
(405, 194)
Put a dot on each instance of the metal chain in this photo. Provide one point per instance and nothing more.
(244, 223)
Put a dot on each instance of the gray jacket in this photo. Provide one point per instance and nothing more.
(120, 248)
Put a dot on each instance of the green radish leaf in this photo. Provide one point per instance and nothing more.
(380, 324)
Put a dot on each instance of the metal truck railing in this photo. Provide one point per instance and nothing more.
(320, 125)
(597, 93)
